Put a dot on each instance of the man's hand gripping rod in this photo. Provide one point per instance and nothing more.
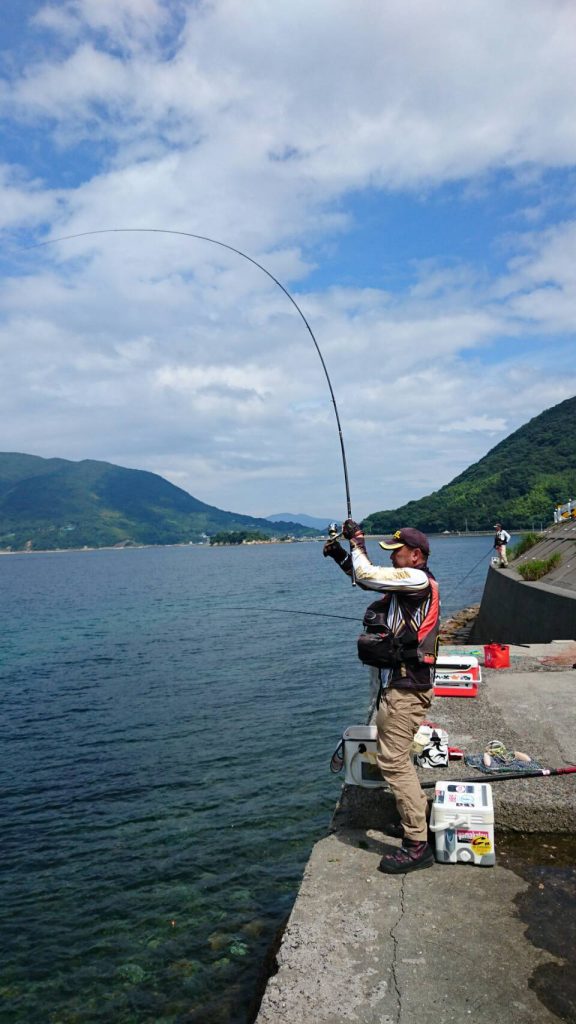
(334, 534)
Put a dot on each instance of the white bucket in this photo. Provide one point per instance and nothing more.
(462, 821)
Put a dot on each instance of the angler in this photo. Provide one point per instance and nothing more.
(399, 643)
(501, 539)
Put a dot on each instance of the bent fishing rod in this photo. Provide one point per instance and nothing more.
(231, 248)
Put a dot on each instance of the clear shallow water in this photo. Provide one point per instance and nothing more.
(164, 767)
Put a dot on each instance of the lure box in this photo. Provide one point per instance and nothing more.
(462, 821)
(457, 676)
(361, 768)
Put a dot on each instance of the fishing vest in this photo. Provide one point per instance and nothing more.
(414, 646)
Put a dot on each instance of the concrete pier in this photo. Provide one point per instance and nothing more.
(515, 611)
(454, 942)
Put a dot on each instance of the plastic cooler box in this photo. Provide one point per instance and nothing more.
(462, 821)
(360, 766)
(456, 676)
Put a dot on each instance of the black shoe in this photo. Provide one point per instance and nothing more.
(411, 856)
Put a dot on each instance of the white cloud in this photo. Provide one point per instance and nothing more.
(122, 21)
(484, 424)
(541, 288)
(254, 124)
(406, 94)
(24, 202)
(229, 395)
(425, 92)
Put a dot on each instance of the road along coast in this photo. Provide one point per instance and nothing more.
(455, 942)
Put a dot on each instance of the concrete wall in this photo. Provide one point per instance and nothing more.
(515, 612)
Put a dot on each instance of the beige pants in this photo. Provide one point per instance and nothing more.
(501, 552)
(397, 720)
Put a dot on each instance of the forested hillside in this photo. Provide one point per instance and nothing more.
(518, 482)
(53, 503)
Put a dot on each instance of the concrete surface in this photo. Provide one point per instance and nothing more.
(449, 943)
(436, 946)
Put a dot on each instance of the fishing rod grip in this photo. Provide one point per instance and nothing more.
(334, 534)
(352, 573)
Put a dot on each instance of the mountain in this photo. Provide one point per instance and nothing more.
(517, 483)
(292, 517)
(55, 503)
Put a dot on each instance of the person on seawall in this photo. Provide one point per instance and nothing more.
(501, 539)
(401, 640)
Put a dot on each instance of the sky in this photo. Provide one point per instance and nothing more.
(405, 169)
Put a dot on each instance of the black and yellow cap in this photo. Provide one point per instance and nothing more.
(406, 536)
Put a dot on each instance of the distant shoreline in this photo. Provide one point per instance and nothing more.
(253, 543)
(140, 547)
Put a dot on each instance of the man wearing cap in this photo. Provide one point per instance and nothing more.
(407, 617)
(501, 539)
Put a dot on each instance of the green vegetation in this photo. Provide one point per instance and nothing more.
(517, 483)
(237, 537)
(527, 541)
(53, 503)
(539, 567)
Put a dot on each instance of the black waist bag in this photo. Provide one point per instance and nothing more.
(378, 649)
(378, 646)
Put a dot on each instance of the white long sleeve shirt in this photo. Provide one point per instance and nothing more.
(385, 578)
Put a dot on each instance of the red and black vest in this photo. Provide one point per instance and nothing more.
(401, 634)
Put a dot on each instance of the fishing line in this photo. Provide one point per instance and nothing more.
(292, 611)
(459, 582)
(223, 245)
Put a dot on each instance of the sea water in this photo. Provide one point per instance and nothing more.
(168, 718)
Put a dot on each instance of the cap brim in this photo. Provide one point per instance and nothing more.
(391, 547)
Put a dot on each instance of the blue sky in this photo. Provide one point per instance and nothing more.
(406, 169)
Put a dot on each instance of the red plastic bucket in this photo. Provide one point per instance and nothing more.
(497, 656)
